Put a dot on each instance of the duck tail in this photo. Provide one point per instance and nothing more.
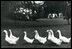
(69, 38)
(18, 37)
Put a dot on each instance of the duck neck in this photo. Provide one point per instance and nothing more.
(36, 35)
(10, 32)
(59, 34)
(52, 34)
(25, 34)
(6, 34)
(49, 35)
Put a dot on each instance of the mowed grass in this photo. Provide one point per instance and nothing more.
(41, 26)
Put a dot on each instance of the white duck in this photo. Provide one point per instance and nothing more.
(10, 39)
(39, 38)
(27, 39)
(54, 39)
(63, 38)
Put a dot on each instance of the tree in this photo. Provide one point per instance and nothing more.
(42, 8)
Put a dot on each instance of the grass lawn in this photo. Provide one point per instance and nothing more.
(41, 25)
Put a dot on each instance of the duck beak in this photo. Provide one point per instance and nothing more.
(47, 30)
(57, 31)
(33, 32)
(24, 31)
(2, 31)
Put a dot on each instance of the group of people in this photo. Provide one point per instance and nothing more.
(54, 15)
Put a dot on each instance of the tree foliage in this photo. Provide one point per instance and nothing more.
(42, 10)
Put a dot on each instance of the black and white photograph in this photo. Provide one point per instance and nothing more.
(35, 24)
